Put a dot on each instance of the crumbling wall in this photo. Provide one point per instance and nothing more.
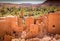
(10, 26)
(13, 26)
(54, 23)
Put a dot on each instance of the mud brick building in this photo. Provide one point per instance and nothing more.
(54, 23)
(12, 26)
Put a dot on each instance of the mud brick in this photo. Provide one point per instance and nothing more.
(20, 21)
(34, 28)
(12, 18)
(54, 23)
(2, 22)
(29, 20)
(21, 28)
(12, 22)
(2, 27)
(14, 26)
(20, 24)
(33, 31)
(38, 21)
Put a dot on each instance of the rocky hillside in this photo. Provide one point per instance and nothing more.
(46, 3)
(18, 5)
(51, 2)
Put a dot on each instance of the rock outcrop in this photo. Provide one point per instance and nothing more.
(51, 3)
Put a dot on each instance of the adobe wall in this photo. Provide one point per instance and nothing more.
(28, 21)
(54, 23)
(14, 25)
(10, 26)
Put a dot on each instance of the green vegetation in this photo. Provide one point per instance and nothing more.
(24, 12)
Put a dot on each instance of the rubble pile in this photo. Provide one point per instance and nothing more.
(45, 38)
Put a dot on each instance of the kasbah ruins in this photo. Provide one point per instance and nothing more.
(12, 26)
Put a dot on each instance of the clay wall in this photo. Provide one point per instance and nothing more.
(54, 23)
